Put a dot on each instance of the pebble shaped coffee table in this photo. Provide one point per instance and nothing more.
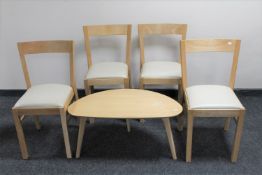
(126, 104)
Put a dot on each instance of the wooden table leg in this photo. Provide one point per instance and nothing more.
(167, 125)
(81, 131)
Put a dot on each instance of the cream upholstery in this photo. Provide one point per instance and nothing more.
(212, 97)
(161, 69)
(108, 70)
(45, 96)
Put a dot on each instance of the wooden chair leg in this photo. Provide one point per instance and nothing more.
(20, 136)
(128, 125)
(37, 123)
(180, 123)
(81, 132)
(180, 94)
(227, 124)
(189, 137)
(88, 90)
(238, 134)
(65, 133)
(92, 120)
(127, 86)
(126, 83)
(141, 86)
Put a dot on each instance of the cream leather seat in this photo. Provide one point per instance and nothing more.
(45, 96)
(161, 69)
(108, 70)
(212, 97)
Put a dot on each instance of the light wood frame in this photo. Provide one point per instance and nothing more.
(38, 47)
(212, 45)
(107, 30)
(160, 29)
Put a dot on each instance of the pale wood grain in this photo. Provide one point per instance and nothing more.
(212, 45)
(38, 47)
(126, 104)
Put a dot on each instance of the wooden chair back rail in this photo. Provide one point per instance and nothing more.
(158, 29)
(100, 30)
(162, 29)
(214, 45)
(38, 47)
(107, 30)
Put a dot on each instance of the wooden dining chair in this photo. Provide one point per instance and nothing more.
(212, 100)
(44, 99)
(160, 72)
(107, 73)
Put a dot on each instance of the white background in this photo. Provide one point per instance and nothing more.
(26, 20)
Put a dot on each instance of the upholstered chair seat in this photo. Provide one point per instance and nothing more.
(45, 96)
(212, 97)
(108, 70)
(161, 69)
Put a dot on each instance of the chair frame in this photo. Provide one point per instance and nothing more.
(107, 30)
(212, 45)
(38, 47)
(160, 29)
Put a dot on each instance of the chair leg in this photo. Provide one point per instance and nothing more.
(227, 124)
(127, 86)
(88, 90)
(180, 98)
(128, 125)
(37, 123)
(180, 94)
(180, 123)
(141, 86)
(189, 137)
(20, 135)
(167, 125)
(65, 133)
(81, 132)
(92, 120)
(238, 134)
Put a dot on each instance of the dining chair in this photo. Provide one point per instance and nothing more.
(44, 99)
(110, 72)
(160, 72)
(212, 100)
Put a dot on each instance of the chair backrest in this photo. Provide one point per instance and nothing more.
(107, 30)
(38, 47)
(158, 29)
(209, 45)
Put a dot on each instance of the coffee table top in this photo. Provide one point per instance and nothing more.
(125, 104)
